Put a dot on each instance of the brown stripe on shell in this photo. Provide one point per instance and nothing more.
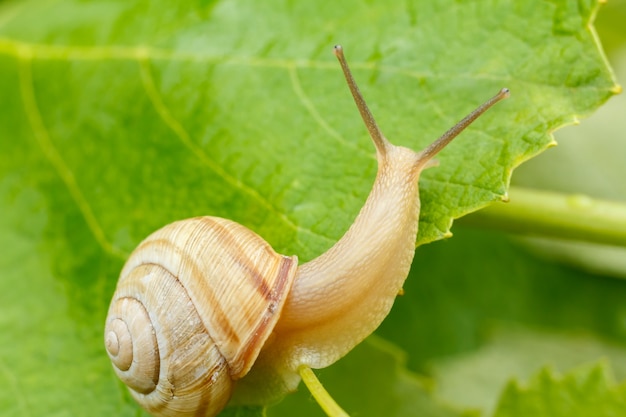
(222, 317)
(241, 258)
(281, 281)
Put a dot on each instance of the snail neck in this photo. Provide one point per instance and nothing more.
(342, 296)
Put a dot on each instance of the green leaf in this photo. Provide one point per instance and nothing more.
(120, 117)
(125, 94)
(588, 391)
(510, 351)
(243, 412)
(50, 350)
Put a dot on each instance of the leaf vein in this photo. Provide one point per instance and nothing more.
(40, 51)
(122, 52)
(315, 114)
(181, 133)
(44, 141)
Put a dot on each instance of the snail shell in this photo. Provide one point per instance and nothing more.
(178, 341)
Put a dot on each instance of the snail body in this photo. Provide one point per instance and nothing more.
(203, 301)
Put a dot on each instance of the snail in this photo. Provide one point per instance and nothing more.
(202, 301)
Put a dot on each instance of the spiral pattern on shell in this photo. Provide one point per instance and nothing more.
(193, 307)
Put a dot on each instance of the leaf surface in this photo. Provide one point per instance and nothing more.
(589, 391)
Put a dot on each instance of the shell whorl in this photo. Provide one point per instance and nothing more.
(194, 305)
(132, 343)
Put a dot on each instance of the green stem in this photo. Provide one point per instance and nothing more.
(323, 398)
(551, 214)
